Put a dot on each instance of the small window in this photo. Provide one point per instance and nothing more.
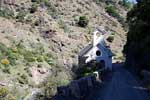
(98, 53)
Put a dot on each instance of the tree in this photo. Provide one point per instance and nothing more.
(125, 3)
(83, 21)
(137, 48)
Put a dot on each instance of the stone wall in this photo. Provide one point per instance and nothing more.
(78, 89)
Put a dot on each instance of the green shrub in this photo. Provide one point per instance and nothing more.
(113, 33)
(10, 54)
(123, 22)
(98, 1)
(54, 81)
(83, 21)
(1, 56)
(3, 48)
(3, 92)
(111, 10)
(27, 69)
(6, 69)
(47, 3)
(6, 13)
(13, 56)
(51, 10)
(29, 56)
(30, 59)
(33, 8)
(23, 79)
(87, 71)
(40, 59)
(119, 58)
(63, 25)
(5, 62)
(28, 19)
(37, 1)
(21, 15)
(14, 50)
(110, 38)
(49, 59)
(125, 3)
(36, 23)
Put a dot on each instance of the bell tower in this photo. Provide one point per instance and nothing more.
(98, 37)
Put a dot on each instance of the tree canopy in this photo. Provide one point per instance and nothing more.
(137, 48)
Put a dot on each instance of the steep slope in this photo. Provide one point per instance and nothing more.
(39, 41)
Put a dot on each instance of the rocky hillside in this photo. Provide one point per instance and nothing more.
(40, 41)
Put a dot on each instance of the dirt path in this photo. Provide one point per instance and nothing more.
(122, 86)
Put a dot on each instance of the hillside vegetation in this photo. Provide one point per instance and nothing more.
(40, 41)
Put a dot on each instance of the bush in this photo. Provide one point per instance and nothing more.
(63, 25)
(111, 10)
(83, 21)
(30, 59)
(40, 59)
(113, 33)
(110, 38)
(3, 92)
(53, 81)
(27, 69)
(51, 9)
(3, 48)
(37, 1)
(23, 79)
(29, 56)
(5, 62)
(98, 1)
(46, 2)
(84, 70)
(125, 3)
(49, 59)
(21, 15)
(33, 8)
(11, 55)
(123, 22)
(36, 23)
(6, 13)
(14, 50)
(6, 70)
